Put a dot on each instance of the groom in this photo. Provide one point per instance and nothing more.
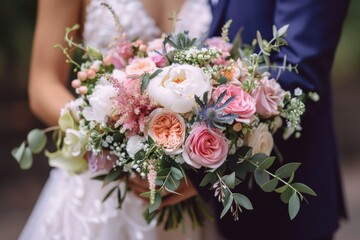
(315, 27)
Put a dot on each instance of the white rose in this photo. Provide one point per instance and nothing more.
(135, 144)
(74, 142)
(175, 87)
(261, 140)
(100, 102)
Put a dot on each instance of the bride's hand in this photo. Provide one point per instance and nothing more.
(139, 186)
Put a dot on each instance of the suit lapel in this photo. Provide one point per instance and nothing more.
(217, 11)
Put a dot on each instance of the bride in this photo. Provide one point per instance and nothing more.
(70, 207)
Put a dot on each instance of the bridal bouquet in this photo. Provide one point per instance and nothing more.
(160, 109)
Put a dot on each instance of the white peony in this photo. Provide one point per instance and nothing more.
(135, 144)
(100, 102)
(175, 87)
(261, 140)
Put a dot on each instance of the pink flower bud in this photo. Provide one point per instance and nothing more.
(107, 60)
(83, 90)
(142, 47)
(95, 67)
(82, 76)
(90, 74)
(76, 83)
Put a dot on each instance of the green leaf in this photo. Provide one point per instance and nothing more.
(99, 177)
(176, 173)
(261, 177)
(287, 170)
(154, 74)
(303, 188)
(172, 184)
(157, 203)
(139, 155)
(112, 176)
(269, 186)
(144, 82)
(66, 121)
(145, 194)
(243, 201)
(237, 44)
(223, 80)
(286, 195)
(26, 159)
(94, 53)
(268, 162)
(209, 178)
(227, 206)
(282, 31)
(259, 157)
(294, 206)
(18, 152)
(281, 189)
(109, 193)
(229, 180)
(37, 140)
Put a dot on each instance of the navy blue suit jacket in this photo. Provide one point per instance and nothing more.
(315, 27)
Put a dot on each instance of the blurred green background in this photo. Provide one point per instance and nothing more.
(20, 189)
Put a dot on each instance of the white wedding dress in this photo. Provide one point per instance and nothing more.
(70, 207)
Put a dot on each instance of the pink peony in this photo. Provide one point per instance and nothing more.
(204, 148)
(243, 104)
(139, 66)
(268, 95)
(167, 129)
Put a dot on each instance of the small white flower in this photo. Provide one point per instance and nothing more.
(298, 92)
(135, 144)
(74, 142)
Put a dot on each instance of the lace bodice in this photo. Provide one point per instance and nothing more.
(100, 27)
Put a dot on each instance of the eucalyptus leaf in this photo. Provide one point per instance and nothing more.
(243, 201)
(287, 170)
(144, 82)
(229, 180)
(303, 188)
(259, 157)
(269, 186)
(18, 152)
(37, 140)
(268, 162)
(281, 189)
(294, 206)
(286, 195)
(157, 203)
(209, 178)
(227, 206)
(261, 177)
(26, 159)
(176, 173)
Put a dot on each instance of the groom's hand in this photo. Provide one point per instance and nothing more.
(139, 186)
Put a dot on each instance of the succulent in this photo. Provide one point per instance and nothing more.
(212, 112)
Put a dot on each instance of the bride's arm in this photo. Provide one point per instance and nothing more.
(48, 70)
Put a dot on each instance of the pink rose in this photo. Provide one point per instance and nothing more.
(204, 148)
(139, 66)
(243, 104)
(159, 60)
(167, 129)
(268, 95)
(98, 162)
(120, 53)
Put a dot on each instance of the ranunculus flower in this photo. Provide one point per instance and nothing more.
(175, 87)
(98, 162)
(74, 142)
(205, 149)
(261, 140)
(139, 66)
(243, 104)
(268, 95)
(167, 129)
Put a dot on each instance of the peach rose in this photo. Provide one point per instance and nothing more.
(139, 66)
(261, 140)
(243, 104)
(268, 95)
(205, 149)
(167, 129)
